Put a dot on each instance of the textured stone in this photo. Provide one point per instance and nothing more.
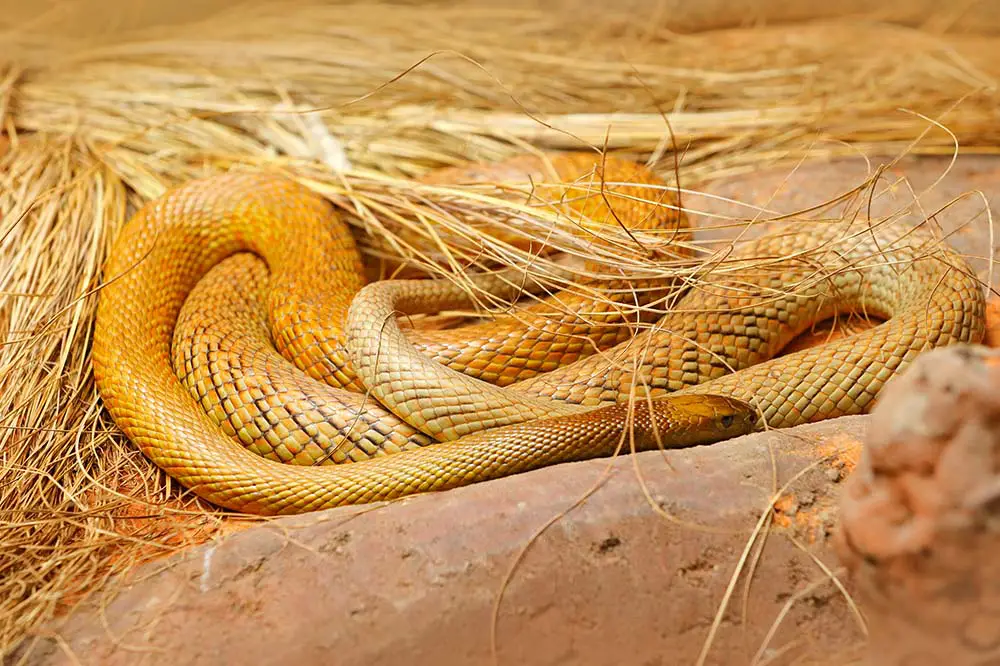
(909, 189)
(919, 526)
(416, 582)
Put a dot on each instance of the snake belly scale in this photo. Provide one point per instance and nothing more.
(230, 419)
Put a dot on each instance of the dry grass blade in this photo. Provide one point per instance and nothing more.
(63, 517)
(401, 95)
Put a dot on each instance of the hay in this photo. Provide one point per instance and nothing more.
(95, 130)
(496, 78)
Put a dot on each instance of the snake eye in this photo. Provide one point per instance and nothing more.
(727, 420)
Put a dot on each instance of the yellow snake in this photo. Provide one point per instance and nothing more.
(235, 334)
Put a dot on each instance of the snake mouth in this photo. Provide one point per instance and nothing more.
(744, 419)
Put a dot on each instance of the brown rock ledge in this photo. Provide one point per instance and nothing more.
(612, 581)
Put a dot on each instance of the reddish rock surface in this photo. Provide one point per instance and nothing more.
(618, 579)
(958, 200)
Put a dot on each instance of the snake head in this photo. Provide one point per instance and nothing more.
(690, 420)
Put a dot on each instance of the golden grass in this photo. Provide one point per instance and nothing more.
(496, 78)
(95, 131)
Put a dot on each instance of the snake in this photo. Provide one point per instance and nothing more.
(239, 347)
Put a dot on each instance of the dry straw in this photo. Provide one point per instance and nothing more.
(93, 131)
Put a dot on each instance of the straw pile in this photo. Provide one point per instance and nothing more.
(93, 131)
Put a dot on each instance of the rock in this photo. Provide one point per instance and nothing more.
(920, 520)
(912, 190)
(610, 574)
(992, 322)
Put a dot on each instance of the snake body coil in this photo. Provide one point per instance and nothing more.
(292, 386)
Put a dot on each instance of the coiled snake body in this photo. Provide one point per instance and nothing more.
(238, 379)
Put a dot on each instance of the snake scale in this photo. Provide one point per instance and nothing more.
(238, 346)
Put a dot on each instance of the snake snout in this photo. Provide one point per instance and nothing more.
(732, 417)
(738, 413)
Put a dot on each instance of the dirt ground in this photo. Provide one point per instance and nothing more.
(666, 558)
